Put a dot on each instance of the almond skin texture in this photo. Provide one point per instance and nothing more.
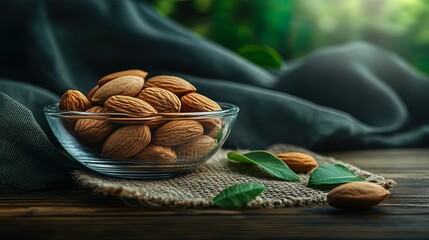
(195, 102)
(176, 85)
(157, 154)
(154, 124)
(298, 162)
(126, 85)
(197, 149)
(127, 104)
(132, 72)
(160, 99)
(357, 196)
(73, 100)
(126, 142)
(92, 131)
(175, 133)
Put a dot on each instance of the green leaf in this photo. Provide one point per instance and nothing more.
(268, 162)
(262, 55)
(332, 175)
(237, 195)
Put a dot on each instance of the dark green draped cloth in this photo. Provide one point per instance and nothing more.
(349, 96)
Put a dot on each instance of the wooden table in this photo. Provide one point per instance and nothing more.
(71, 213)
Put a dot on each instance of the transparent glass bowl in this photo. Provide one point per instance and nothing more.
(147, 166)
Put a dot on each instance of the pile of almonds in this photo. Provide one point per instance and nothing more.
(155, 140)
(165, 142)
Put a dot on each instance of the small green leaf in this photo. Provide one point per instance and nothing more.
(262, 55)
(237, 195)
(268, 162)
(329, 176)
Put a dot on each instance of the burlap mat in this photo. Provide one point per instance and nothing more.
(196, 189)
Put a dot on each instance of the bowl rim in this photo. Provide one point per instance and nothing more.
(228, 109)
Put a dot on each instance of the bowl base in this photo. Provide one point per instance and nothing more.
(143, 175)
(142, 172)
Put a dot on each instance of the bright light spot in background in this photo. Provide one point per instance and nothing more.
(408, 1)
(401, 25)
(295, 28)
(354, 16)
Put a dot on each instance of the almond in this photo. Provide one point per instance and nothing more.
(127, 104)
(73, 100)
(126, 141)
(92, 131)
(176, 85)
(157, 154)
(160, 99)
(132, 72)
(126, 85)
(178, 132)
(357, 195)
(298, 162)
(195, 102)
(196, 149)
(212, 127)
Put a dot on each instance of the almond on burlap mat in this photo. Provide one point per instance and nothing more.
(197, 188)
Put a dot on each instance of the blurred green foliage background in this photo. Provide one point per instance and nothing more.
(269, 32)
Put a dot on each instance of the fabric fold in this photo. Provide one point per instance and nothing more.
(28, 160)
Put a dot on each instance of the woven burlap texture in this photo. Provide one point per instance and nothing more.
(196, 189)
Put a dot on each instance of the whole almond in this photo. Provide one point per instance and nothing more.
(92, 131)
(212, 127)
(132, 72)
(125, 85)
(73, 100)
(126, 141)
(196, 149)
(195, 102)
(157, 154)
(357, 195)
(160, 99)
(298, 162)
(178, 132)
(176, 85)
(127, 104)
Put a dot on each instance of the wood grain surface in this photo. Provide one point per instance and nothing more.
(80, 214)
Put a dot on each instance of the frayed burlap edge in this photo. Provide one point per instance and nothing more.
(196, 189)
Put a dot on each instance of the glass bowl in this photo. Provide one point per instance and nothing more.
(165, 156)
